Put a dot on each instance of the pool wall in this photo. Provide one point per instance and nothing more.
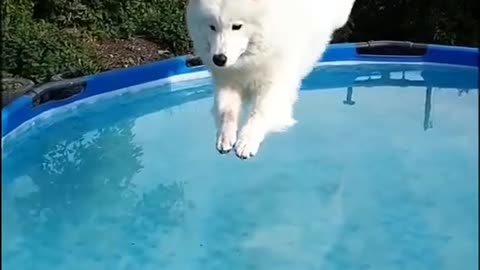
(43, 99)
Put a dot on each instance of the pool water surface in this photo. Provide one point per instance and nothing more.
(380, 173)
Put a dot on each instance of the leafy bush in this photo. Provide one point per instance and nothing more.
(158, 20)
(165, 23)
(39, 50)
(451, 22)
(38, 40)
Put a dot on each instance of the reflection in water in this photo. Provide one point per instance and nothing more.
(70, 171)
(78, 186)
(427, 120)
(463, 91)
(426, 78)
(348, 100)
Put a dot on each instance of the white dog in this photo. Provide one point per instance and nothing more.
(258, 52)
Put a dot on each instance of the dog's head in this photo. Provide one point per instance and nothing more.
(222, 30)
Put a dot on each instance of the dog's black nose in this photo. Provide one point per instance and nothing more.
(220, 59)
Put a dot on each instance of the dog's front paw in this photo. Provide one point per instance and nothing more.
(247, 146)
(226, 140)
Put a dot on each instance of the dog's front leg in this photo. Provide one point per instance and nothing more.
(227, 107)
(272, 112)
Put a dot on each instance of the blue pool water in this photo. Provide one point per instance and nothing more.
(379, 176)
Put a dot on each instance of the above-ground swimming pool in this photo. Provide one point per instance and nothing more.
(120, 171)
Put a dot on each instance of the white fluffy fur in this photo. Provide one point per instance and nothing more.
(278, 44)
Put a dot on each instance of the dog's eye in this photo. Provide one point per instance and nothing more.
(213, 28)
(236, 26)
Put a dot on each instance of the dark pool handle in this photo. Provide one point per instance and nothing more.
(390, 48)
(57, 90)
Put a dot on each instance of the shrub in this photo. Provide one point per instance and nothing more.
(165, 23)
(39, 50)
(451, 22)
(161, 21)
(38, 40)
